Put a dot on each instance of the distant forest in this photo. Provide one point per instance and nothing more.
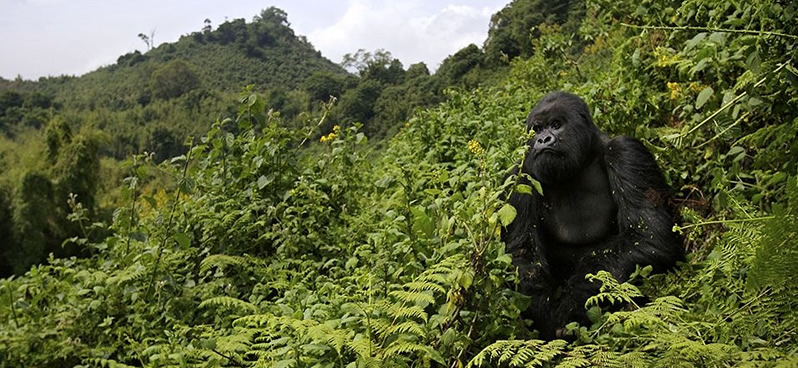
(236, 200)
(67, 134)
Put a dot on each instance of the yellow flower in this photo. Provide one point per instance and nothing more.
(327, 138)
(331, 136)
(475, 147)
(674, 88)
(665, 57)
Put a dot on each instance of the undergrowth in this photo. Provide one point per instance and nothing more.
(265, 253)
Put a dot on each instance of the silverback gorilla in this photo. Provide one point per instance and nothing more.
(604, 207)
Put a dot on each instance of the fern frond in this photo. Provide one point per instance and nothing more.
(221, 261)
(228, 302)
(635, 359)
(402, 311)
(406, 327)
(403, 347)
(572, 361)
(133, 272)
(425, 286)
(605, 358)
(380, 327)
(419, 298)
(612, 291)
(328, 335)
(523, 353)
(362, 346)
(105, 363)
(254, 320)
(238, 343)
(547, 353)
(777, 255)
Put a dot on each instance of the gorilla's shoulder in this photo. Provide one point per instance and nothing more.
(631, 164)
(627, 151)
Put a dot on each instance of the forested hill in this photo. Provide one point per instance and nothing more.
(264, 52)
(67, 136)
(249, 250)
(152, 101)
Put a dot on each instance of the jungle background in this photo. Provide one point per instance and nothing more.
(235, 199)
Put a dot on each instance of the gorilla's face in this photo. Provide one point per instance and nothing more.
(564, 137)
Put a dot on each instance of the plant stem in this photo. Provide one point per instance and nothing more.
(712, 29)
(230, 359)
(169, 223)
(327, 108)
(11, 301)
(680, 228)
(728, 104)
(132, 210)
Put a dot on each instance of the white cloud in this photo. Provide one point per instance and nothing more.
(409, 32)
(53, 37)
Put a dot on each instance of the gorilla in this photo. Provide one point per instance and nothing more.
(605, 206)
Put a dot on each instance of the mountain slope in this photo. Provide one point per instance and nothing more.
(265, 52)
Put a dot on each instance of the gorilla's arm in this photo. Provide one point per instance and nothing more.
(644, 220)
(521, 238)
(529, 257)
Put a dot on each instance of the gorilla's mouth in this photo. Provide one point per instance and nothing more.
(548, 151)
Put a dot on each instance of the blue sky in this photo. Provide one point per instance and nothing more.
(55, 37)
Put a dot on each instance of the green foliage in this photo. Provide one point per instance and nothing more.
(174, 80)
(776, 257)
(512, 27)
(34, 210)
(6, 234)
(323, 85)
(258, 247)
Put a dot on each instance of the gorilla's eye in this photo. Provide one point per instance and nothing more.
(556, 124)
(536, 127)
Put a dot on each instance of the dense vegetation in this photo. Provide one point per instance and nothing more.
(252, 250)
(150, 102)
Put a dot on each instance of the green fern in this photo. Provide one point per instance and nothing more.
(229, 303)
(105, 363)
(223, 260)
(776, 259)
(611, 291)
(423, 298)
(131, 273)
(520, 353)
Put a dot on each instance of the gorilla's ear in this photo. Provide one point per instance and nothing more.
(584, 112)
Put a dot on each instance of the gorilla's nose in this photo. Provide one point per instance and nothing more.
(545, 141)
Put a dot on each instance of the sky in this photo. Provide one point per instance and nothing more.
(72, 37)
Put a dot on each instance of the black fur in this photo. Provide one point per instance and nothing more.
(604, 207)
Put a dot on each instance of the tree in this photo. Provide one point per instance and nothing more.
(321, 85)
(7, 241)
(9, 99)
(234, 31)
(455, 67)
(76, 172)
(164, 142)
(512, 28)
(417, 70)
(38, 100)
(173, 80)
(36, 228)
(56, 135)
(273, 15)
(130, 59)
(207, 27)
(148, 40)
(357, 105)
